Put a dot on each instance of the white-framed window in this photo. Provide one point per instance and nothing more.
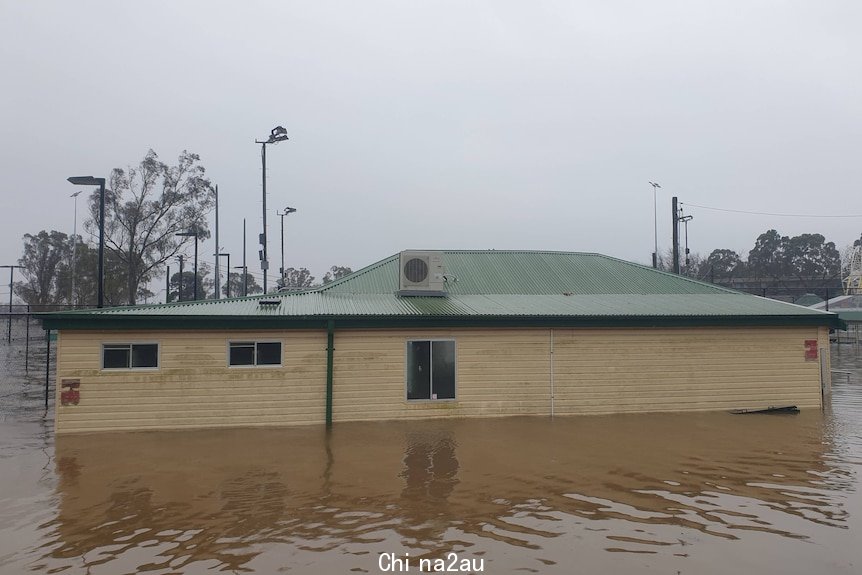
(130, 356)
(430, 369)
(254, 353)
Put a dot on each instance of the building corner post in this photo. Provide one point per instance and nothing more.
(330, 349)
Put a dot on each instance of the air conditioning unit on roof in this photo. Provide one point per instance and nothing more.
(421, 274)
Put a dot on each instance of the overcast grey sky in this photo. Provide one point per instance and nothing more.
(449, 125)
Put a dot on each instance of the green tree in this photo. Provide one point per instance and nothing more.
(296, 279)
(44, 263)
(336, 272)
(767, 259)
(145, 207)
(235, 281)
(186, 283)
(86, 271)
(810, 258)
(723, 265)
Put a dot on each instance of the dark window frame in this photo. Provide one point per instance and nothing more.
(129, 346)
(254, 344)
(430, 342)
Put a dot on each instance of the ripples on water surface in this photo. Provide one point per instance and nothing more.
(689, 493)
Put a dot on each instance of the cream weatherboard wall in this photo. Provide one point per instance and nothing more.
(498, 372)
(193, 386)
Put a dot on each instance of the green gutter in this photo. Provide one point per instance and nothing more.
(147, 322)
(330, 349)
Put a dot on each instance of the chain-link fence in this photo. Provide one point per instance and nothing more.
(27, 358)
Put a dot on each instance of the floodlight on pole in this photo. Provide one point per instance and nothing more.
(91, 181)
(276, 135)
(286, 211)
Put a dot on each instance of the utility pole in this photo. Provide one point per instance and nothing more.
(168, 285)
(655, 223)
(685, 220)
(11, 287)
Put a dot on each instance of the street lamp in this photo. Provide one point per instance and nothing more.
(277, 134)
(282, 214)
(195, 234)
(655, 223)
(91, 181)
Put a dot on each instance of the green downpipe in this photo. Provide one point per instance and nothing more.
(330, 349)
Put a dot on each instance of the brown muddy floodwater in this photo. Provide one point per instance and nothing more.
(667, 493)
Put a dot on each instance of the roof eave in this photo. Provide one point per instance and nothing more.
(149, 322)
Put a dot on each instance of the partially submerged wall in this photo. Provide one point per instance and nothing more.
(498, 372)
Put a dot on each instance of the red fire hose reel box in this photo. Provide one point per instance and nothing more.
(70, 393)
(810, 350)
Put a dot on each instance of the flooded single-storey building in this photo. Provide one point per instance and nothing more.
(425, 334)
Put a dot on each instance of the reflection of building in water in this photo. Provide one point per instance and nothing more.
(279, 498)
(430, 467)
(430, 474)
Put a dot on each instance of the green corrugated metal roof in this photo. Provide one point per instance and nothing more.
(808, 299)
(852, 316)
(520, 272)
(490, 285)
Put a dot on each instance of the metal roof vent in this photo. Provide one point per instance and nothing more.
(421, 274)
(269, 302)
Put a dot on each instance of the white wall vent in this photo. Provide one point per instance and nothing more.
(421, 274)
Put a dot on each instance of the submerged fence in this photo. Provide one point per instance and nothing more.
(27, 359)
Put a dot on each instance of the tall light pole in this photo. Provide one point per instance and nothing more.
(286, 211)
(244, 267)
(91, 181)
(195, 234)
(655, 223)
(227, 281)
(11, 289)
(217, 269)
(180, 289)
(277, 134)
(74, 247)
(244, 279)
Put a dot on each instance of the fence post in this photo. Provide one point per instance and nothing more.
(27, 347)
(47, 365)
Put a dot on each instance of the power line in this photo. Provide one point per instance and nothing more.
(774, 214)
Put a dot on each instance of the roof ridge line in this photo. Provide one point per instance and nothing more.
(671, 274)
(356, 274)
